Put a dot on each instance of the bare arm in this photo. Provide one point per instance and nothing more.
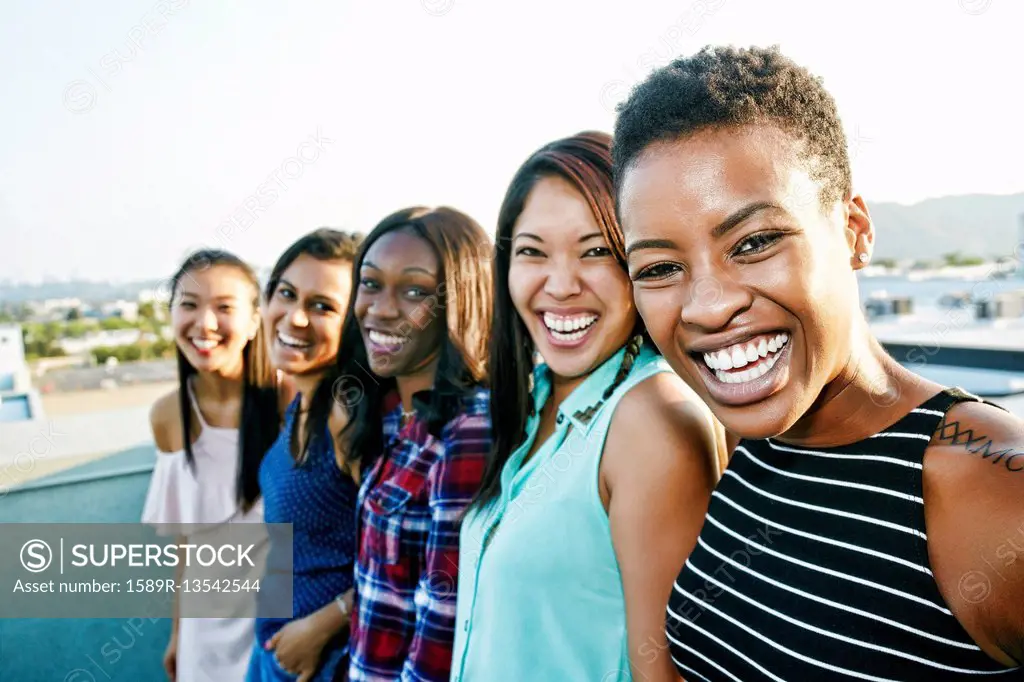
(298, 646)
(660, 465)
(330, 620)
(165, 425)
(974, 509)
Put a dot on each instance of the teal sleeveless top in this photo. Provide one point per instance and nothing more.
(539, 590)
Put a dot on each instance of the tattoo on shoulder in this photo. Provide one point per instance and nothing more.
(952, 432)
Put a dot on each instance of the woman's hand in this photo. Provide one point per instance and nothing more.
(298, 645)
(171, 657)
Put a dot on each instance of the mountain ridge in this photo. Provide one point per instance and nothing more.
(985, 225)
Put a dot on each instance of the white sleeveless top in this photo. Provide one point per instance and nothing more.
(207, 495)
(209, 649)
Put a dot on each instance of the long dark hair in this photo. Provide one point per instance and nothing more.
(323, 244)
(464, 252)
(259, 385)
(585, 161)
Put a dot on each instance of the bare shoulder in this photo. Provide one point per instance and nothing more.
(668, 396)
(165, 422)
(662, 419)
(978, 444)
(973, 487)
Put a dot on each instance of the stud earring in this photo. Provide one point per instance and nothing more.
(863, 258)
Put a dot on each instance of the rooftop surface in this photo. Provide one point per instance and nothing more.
(84, 650)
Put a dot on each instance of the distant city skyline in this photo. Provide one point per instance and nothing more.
(136, 131)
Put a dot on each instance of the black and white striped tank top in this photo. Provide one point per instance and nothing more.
(813, 565)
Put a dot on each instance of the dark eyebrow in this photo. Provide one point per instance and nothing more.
(368, 264)
(222, 297)
(650, 244)
(326, 298)
(720, 230)
(530, 235)
(739, 216)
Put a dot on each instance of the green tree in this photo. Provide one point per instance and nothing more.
(134, 352)
(115, 323)
(40, 341)
(957, 259)
(76, 329)
(163, 348)
(52, 330)
(151, 324)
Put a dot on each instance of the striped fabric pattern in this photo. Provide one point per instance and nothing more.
(813, 565)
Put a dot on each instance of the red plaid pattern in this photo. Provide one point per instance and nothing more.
(408, 564)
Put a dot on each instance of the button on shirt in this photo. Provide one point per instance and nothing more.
(408, 565)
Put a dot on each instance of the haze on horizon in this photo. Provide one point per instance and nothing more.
(134, 130)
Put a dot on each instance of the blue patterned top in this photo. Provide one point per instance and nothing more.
(320, 503)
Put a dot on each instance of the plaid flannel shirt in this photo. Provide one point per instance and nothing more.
(403, 623)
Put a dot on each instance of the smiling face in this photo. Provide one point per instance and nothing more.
(569, 290)
(213, 316)
(745, 281)
(305, 312)
(399, 304)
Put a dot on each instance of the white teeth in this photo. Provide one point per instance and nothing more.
(385, 339)
(571, 336)
(752, 353)
(743, 377)
(291, 341)
(567, 325)
(205, 344)
(741, 355)
(569, 328)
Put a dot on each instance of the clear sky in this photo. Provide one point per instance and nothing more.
(133, 130)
